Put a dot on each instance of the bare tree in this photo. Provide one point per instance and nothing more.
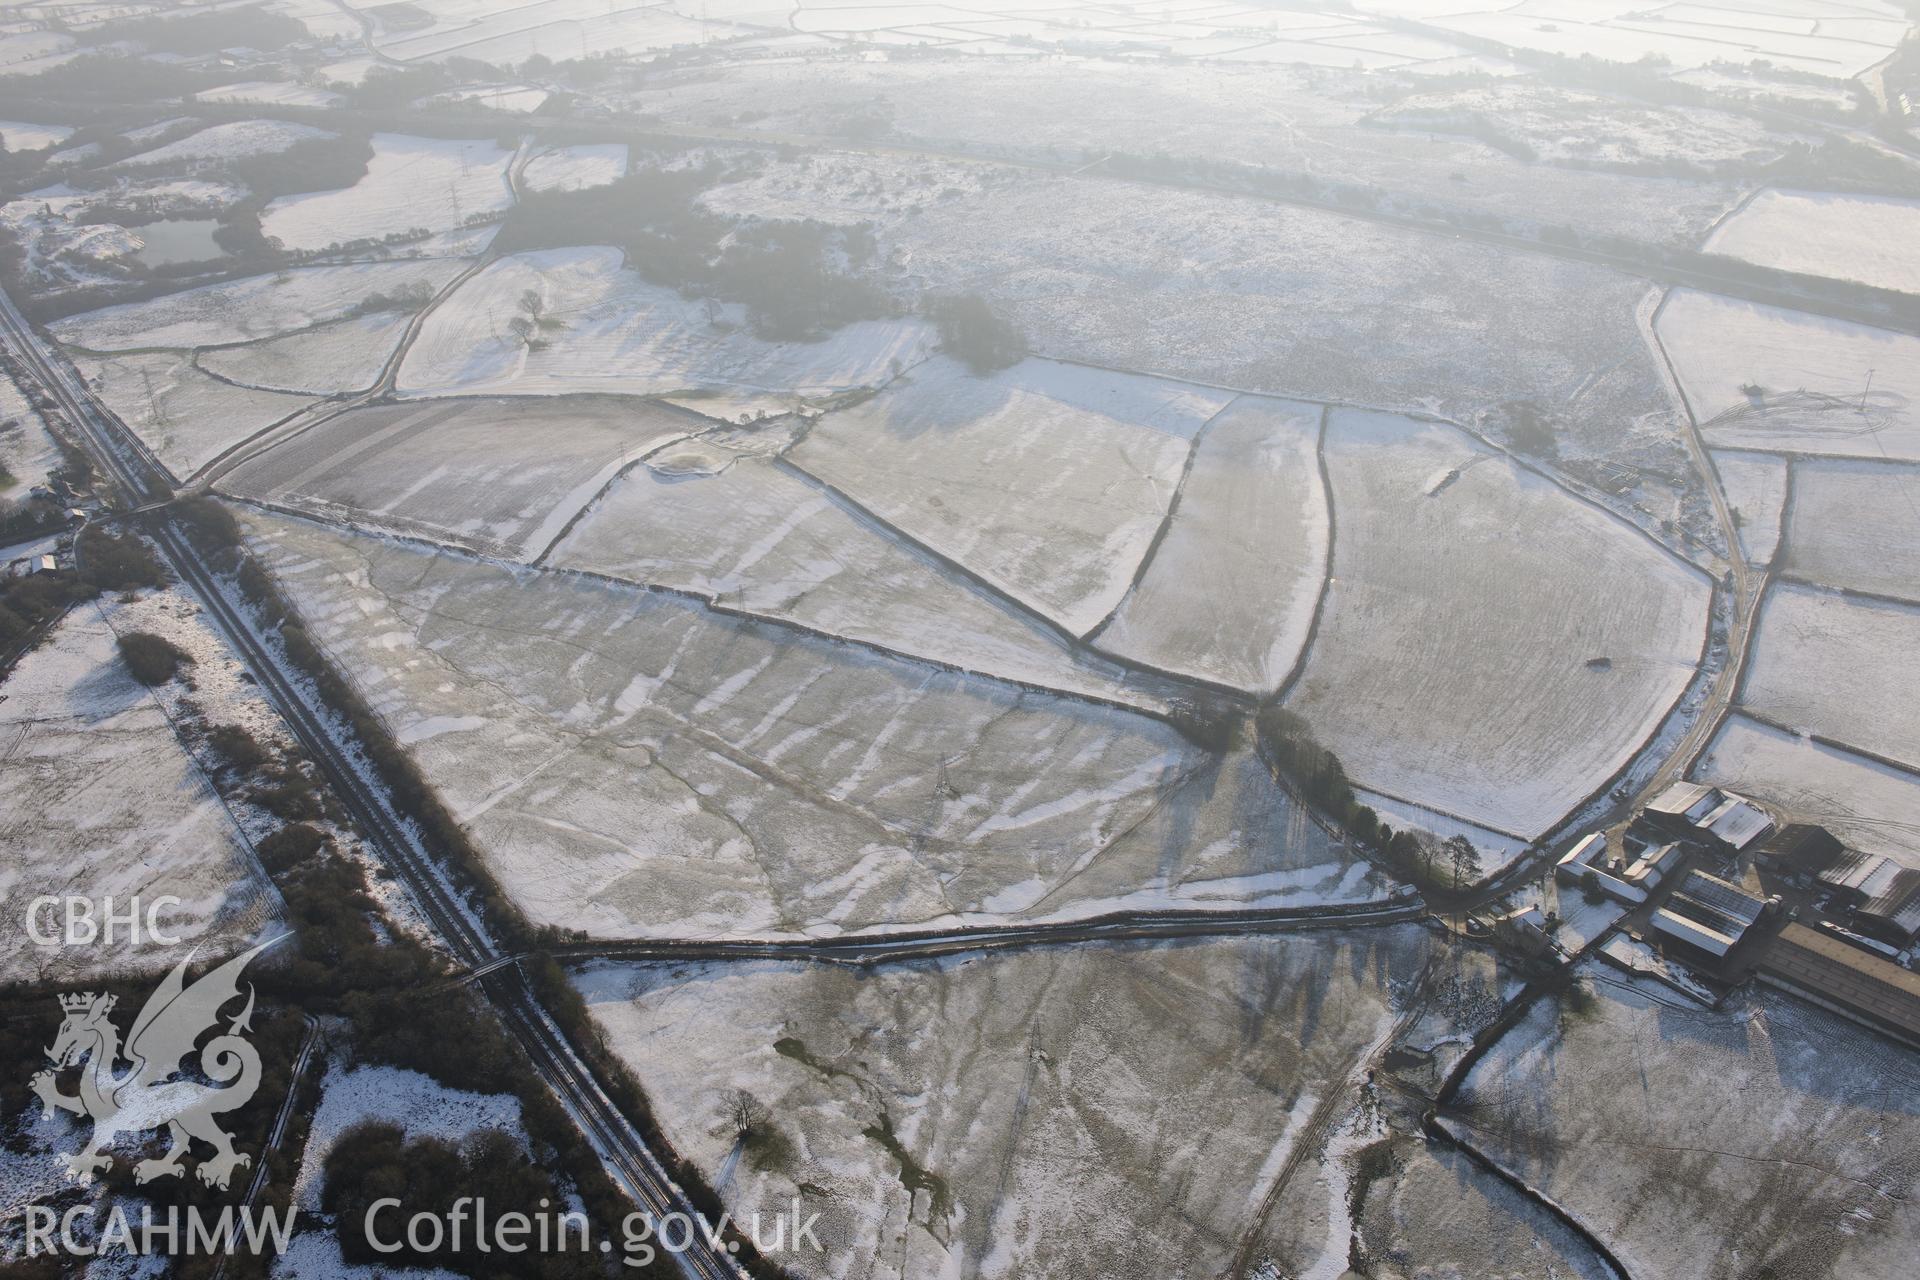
(744, 1113)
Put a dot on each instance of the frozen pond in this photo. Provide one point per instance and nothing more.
(178, 240)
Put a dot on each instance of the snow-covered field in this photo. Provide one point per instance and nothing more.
(1869, 805)
(340, 356)
(1294, 302)
(232, 141)
(1836, 666)
(20, 135)
(26, 449)
(502, 477)
(411, 183)
(576, 168)
(1292, 118)
(1562, 126)
(555, 29)
(269, 93)
(752, 536)
(1229, 593)
(249, 309)
(1769, 1137)
(1047, 480)
(1118, 1111)
(1819, 385)
(1756, 488)
(634, 764)
(1490, 647)
(600, 327)
(187, 417)
(418, 1105)
(1857, 525)
(102, 801)
(1870, 239)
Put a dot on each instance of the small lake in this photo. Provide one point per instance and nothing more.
(178, 240)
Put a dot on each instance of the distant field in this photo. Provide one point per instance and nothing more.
(1869, 239)
(1834, 666)
(972, 1110)
(186, 417)
(604, 329)
(1490, 647)
(249, 309)
(411, 184)
(633, 764)
(329, 359)
(759, 539)
(575, 168)
(1230, 591)
(1047, 480)
(1857, 525)
(500, 476)
(1810, 377)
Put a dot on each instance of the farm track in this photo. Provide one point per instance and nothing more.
(626, 1154)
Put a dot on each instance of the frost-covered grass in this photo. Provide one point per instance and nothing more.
(500, 476)
(233, 141)
(1102, 1110)
(1867, 804)
(1047, 480)
(1857, 525)
(1490, 647)
(1721, 346)
(1230, 591)
(249, 309)
(102, 801)
(576, 168)
(1756, 489)
(1837, 667)
(341, 356)
(751, 536)
(600, 327)
(1871, 239)
(411, 183)
(186, 417)
(1768, 1137)
(632, 764)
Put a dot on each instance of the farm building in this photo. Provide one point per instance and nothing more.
(1683, 806)
(1587, 863)
(1893, 914)
(1845, 979)
(1801, 847)
(1857, 878)
(1695, 811)
(1709, 915)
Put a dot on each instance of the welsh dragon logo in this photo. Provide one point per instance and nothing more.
(151, 1092)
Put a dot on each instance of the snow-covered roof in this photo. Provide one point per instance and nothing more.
(1863, 873)
(1738, 822)
(1586, 851)
(1728, 899)
(1689, 800)
(1654, 863)
(1711, 941)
